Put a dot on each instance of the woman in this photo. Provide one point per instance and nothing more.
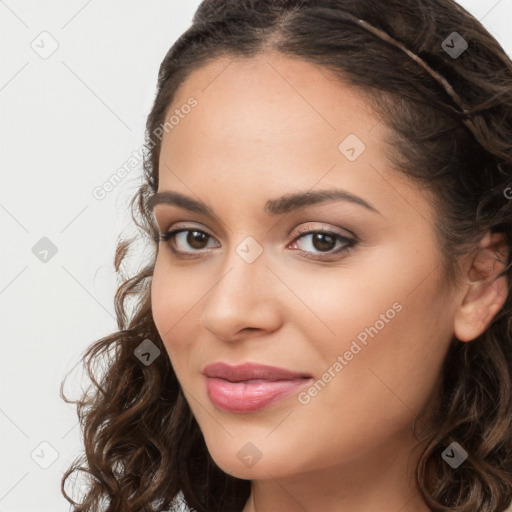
(323, 323)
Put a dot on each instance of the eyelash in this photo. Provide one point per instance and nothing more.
(348, 242)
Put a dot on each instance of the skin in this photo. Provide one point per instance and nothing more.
(263, 128)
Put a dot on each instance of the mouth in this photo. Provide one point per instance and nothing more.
(249, 387)
(251, 372)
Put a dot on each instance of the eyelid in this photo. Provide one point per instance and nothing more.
(299, 231)
(326, 228)
(183, 226)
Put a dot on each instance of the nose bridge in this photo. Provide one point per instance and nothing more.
(242, 273)
(241, 294)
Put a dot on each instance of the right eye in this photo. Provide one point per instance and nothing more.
(192, 237)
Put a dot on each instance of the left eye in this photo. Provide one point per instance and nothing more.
(322, 241)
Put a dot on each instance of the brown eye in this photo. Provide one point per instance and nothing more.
(196, 239)
(323, 242)
(187, 240)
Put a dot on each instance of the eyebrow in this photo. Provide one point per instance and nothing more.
(278, 206)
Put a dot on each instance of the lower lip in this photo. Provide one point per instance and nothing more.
(250, 395)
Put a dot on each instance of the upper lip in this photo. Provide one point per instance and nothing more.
(250, 371)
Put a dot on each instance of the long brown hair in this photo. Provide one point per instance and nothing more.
(450, 116)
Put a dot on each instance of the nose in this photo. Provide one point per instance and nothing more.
(245, 298)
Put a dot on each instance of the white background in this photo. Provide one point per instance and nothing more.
(67, 124)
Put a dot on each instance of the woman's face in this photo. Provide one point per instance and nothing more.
(367, 315)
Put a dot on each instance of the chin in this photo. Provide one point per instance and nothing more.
(238, 462)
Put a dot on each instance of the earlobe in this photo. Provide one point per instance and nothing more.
(485, 292)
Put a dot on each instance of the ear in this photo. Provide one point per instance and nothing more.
(485, 292)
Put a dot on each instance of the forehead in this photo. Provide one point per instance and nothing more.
(270, 125)
(269, 100)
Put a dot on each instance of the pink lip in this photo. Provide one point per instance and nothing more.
(249, 387)
(250, 371)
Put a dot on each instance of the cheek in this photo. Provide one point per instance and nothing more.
(172, 304)
(163, 300)
(391, 326)
(393, 348)
(384, 381)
